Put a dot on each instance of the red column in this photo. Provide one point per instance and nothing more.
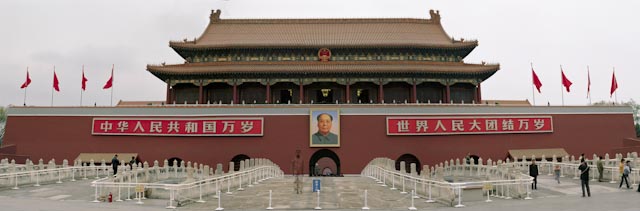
(415, 93)
(348, 93)
(235, 93)
(268, 93)
(301, 96)
(380, 93)
(478, 95)
(447, 97)
(200, 94)
(173, 95)
(168, 92)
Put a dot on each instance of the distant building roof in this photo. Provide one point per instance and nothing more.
(256, 33)
(139, 103)
(507, 102)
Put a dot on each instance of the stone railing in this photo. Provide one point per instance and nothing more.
(446, 181)
(569, 166)
(184, 184)
(179, 183)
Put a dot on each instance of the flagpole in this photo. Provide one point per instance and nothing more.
(616, 91)
(589, 85)
(81, 85)
(54, 75)
(561, 90)
(533, 92)
(24, 102)
(112, 67)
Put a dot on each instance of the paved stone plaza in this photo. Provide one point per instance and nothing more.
(338, 193)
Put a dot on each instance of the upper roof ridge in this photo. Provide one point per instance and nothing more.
(214, 18)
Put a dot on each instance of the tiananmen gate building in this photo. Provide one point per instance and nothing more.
(342, 91)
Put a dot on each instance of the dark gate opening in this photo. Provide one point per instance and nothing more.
(408, 159)
(236, 161)
(322, 154)
(475, 158)
(175, 159)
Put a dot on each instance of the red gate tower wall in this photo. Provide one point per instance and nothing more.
(63, 133)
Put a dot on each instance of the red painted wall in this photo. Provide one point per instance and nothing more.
(362, 139)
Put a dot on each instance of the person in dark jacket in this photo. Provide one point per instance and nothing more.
(131, 162)
(115, 163)
(584, 177)
(533, 172)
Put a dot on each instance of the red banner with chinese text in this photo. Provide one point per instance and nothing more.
(468, 125)
(252, 126)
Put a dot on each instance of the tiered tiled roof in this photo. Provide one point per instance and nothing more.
(323, 33)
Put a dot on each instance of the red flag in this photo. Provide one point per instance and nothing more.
(84, 80)
(109, 83)
(588, 82)
(536, 80)
(55, 82)
(614, 83)
(565, 81)
(27, 82)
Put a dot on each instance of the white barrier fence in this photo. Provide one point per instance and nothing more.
(157, 181)
(195, 181)
(502, 181)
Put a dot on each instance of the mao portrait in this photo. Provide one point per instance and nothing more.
(325, 128)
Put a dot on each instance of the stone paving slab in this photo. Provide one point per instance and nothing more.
(344, 193)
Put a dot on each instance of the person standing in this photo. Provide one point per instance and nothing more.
(584, 177)
(131, 162)
(600, 165)
(625, 174)
(621, 168)
(556, 171)
(533, 172)
(297, 165)
(115, 163)
(467, 158)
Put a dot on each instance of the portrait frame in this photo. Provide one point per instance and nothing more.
(330, 140)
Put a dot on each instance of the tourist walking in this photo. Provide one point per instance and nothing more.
(115, 163)
(131, 162)
(533, 172)
(600, 166)
(584, 177)
(556, 172)
(625, 175)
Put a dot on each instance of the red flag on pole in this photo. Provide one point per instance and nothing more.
(614, 83)
(109, 83)
(55, 82)
(536, 80)
(588, 82)
(84, 80)
(565, 81)
(27, 82)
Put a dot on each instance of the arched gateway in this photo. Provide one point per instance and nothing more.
(322, 154)
(408, 160)
(236, 161)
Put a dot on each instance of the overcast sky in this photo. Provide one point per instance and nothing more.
(134, 33)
